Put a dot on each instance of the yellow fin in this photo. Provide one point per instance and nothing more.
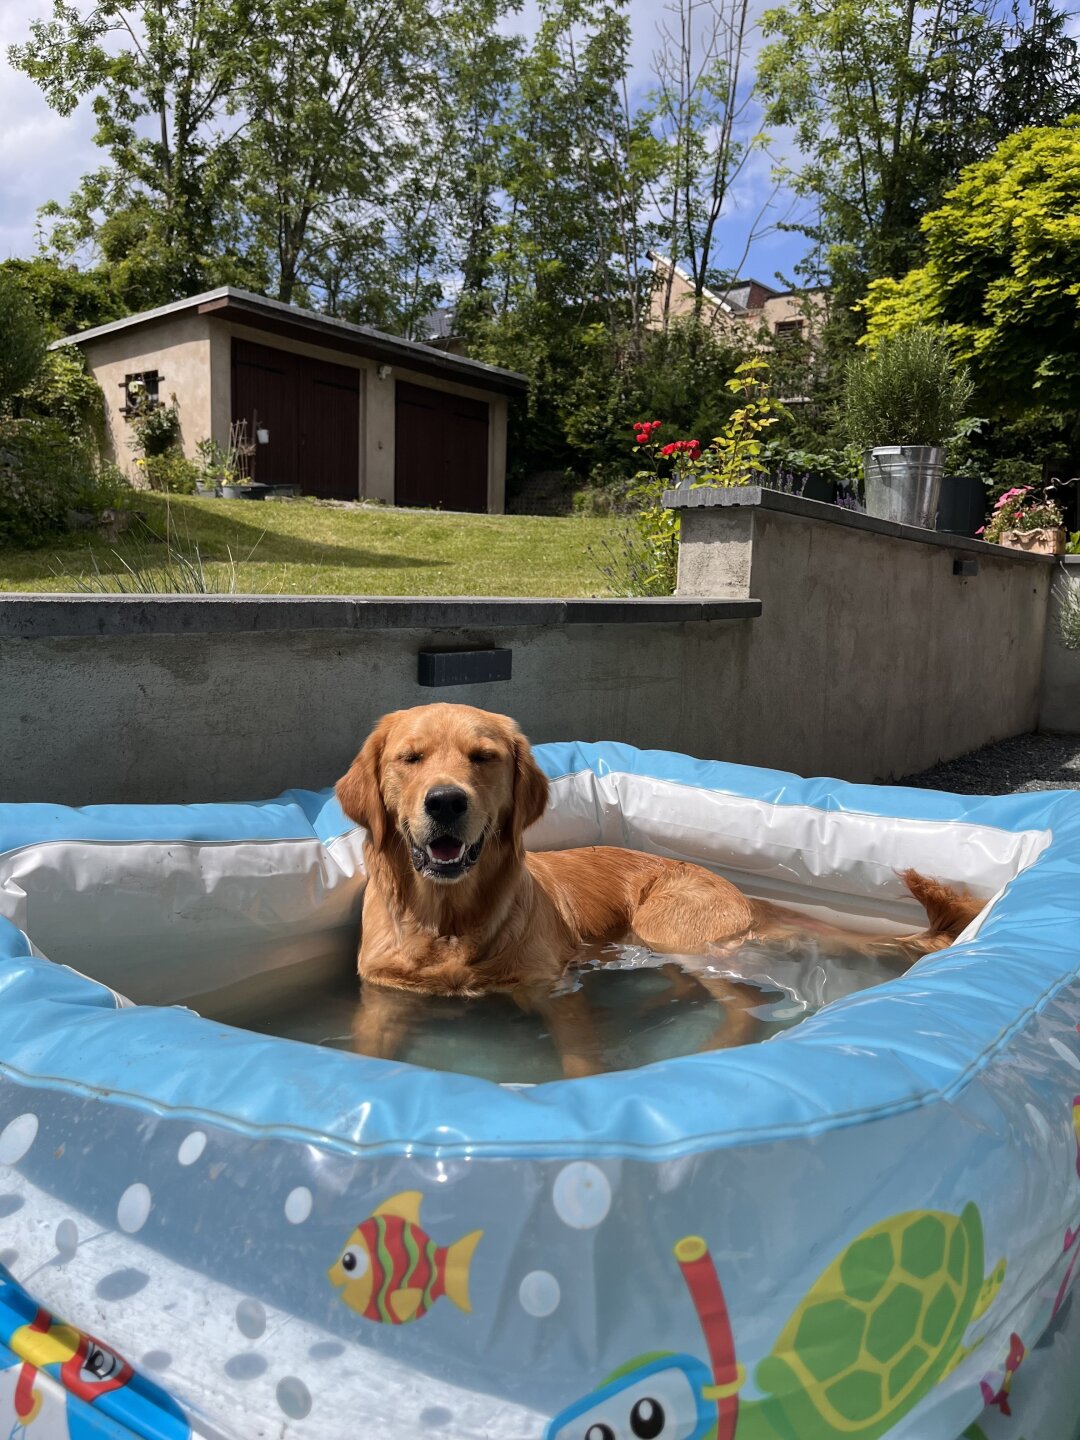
(405, 1303)
(456, 1273)
(405, 1206)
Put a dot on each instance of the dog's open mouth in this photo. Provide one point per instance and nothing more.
(445, 857)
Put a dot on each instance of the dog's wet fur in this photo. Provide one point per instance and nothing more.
(454, 905)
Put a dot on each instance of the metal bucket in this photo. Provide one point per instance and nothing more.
(902, 483)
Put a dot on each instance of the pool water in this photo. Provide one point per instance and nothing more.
(622, 1006)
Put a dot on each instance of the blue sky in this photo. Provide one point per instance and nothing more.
(43, 155)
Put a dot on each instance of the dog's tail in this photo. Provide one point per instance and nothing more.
(948, 910)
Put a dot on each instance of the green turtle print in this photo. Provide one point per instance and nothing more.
(879, 1327)
(877, 1330)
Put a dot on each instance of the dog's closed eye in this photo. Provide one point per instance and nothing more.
(482, 757)
(411, 757)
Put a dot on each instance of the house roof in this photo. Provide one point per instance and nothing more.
(289, 321)
(735, 296)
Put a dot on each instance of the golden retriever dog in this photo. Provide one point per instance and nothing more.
(455, 905)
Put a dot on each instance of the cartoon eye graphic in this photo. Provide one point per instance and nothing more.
(600, 1432)
(355, 1262)
(100, 1364)
(647, 1419)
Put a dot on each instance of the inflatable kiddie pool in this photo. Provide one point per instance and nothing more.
(866, 1226)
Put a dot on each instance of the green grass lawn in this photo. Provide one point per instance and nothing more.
(300, 548)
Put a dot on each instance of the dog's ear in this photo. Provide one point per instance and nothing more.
(530, 789)
(359, 791)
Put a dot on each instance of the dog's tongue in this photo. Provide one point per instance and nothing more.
(446, 849)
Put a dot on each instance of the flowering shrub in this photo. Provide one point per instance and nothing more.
(734, 457)
(1014, 511)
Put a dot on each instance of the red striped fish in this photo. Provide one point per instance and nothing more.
(391, 1271)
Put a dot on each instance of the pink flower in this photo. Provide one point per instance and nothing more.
(980, 530)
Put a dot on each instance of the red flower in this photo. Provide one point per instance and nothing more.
(683, 447)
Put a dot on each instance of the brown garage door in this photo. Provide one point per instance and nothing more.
(311, 410)
(440, 449)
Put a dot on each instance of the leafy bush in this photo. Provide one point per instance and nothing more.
(22, 340)
(108, 488)
(1002, 259)
(171, 471)
(156, 429)
(43, 475)
(66, 299)
(789, 467)
(907, 391)
(63, 389)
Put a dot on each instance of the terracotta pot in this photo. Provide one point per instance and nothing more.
(1037, 542)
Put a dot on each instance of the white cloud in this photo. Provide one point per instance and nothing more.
(42, 155)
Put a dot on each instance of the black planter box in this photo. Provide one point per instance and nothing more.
(961, 505)
(818, 489)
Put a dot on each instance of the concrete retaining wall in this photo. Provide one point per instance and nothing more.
(875, 656)
(803, 638)
(1060, 706)
(181, 699)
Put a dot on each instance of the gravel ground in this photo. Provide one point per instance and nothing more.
(1026, 762)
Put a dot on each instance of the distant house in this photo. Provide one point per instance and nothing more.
(745, 304)
(340, 410)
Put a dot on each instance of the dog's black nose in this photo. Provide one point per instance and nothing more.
(446, 803)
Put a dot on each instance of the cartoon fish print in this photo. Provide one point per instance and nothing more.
(53, 1357)
(391, 1271)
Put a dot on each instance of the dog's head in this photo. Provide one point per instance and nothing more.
(449, 781)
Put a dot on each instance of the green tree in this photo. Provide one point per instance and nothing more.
(22, 339)
(704, 112)
(889, 100)
(1002, 273)
(335, 92)
(162, 212)
(66, 299)
(565, 286)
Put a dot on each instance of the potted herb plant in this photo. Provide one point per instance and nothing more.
(1022, 520)
(902, 402)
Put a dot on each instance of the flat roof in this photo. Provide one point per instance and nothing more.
(290, 321)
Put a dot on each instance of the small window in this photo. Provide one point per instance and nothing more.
(141, 392)
(788, 327)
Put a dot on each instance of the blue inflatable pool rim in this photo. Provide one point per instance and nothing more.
(921, 1040)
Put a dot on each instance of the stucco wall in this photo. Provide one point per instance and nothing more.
(1060, 707)
(178, 347)
(872, 658)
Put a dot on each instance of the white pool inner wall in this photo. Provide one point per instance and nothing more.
(166, 920)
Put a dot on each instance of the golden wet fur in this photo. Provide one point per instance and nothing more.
(515, 920)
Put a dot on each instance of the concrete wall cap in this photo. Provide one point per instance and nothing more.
(31, 617)
(777, 501)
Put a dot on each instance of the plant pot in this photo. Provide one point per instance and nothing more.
(233, 492)
(254, 491)
(817, 488)
(902, 483)
(961, 505)
(211, 491)
(1036, 542)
